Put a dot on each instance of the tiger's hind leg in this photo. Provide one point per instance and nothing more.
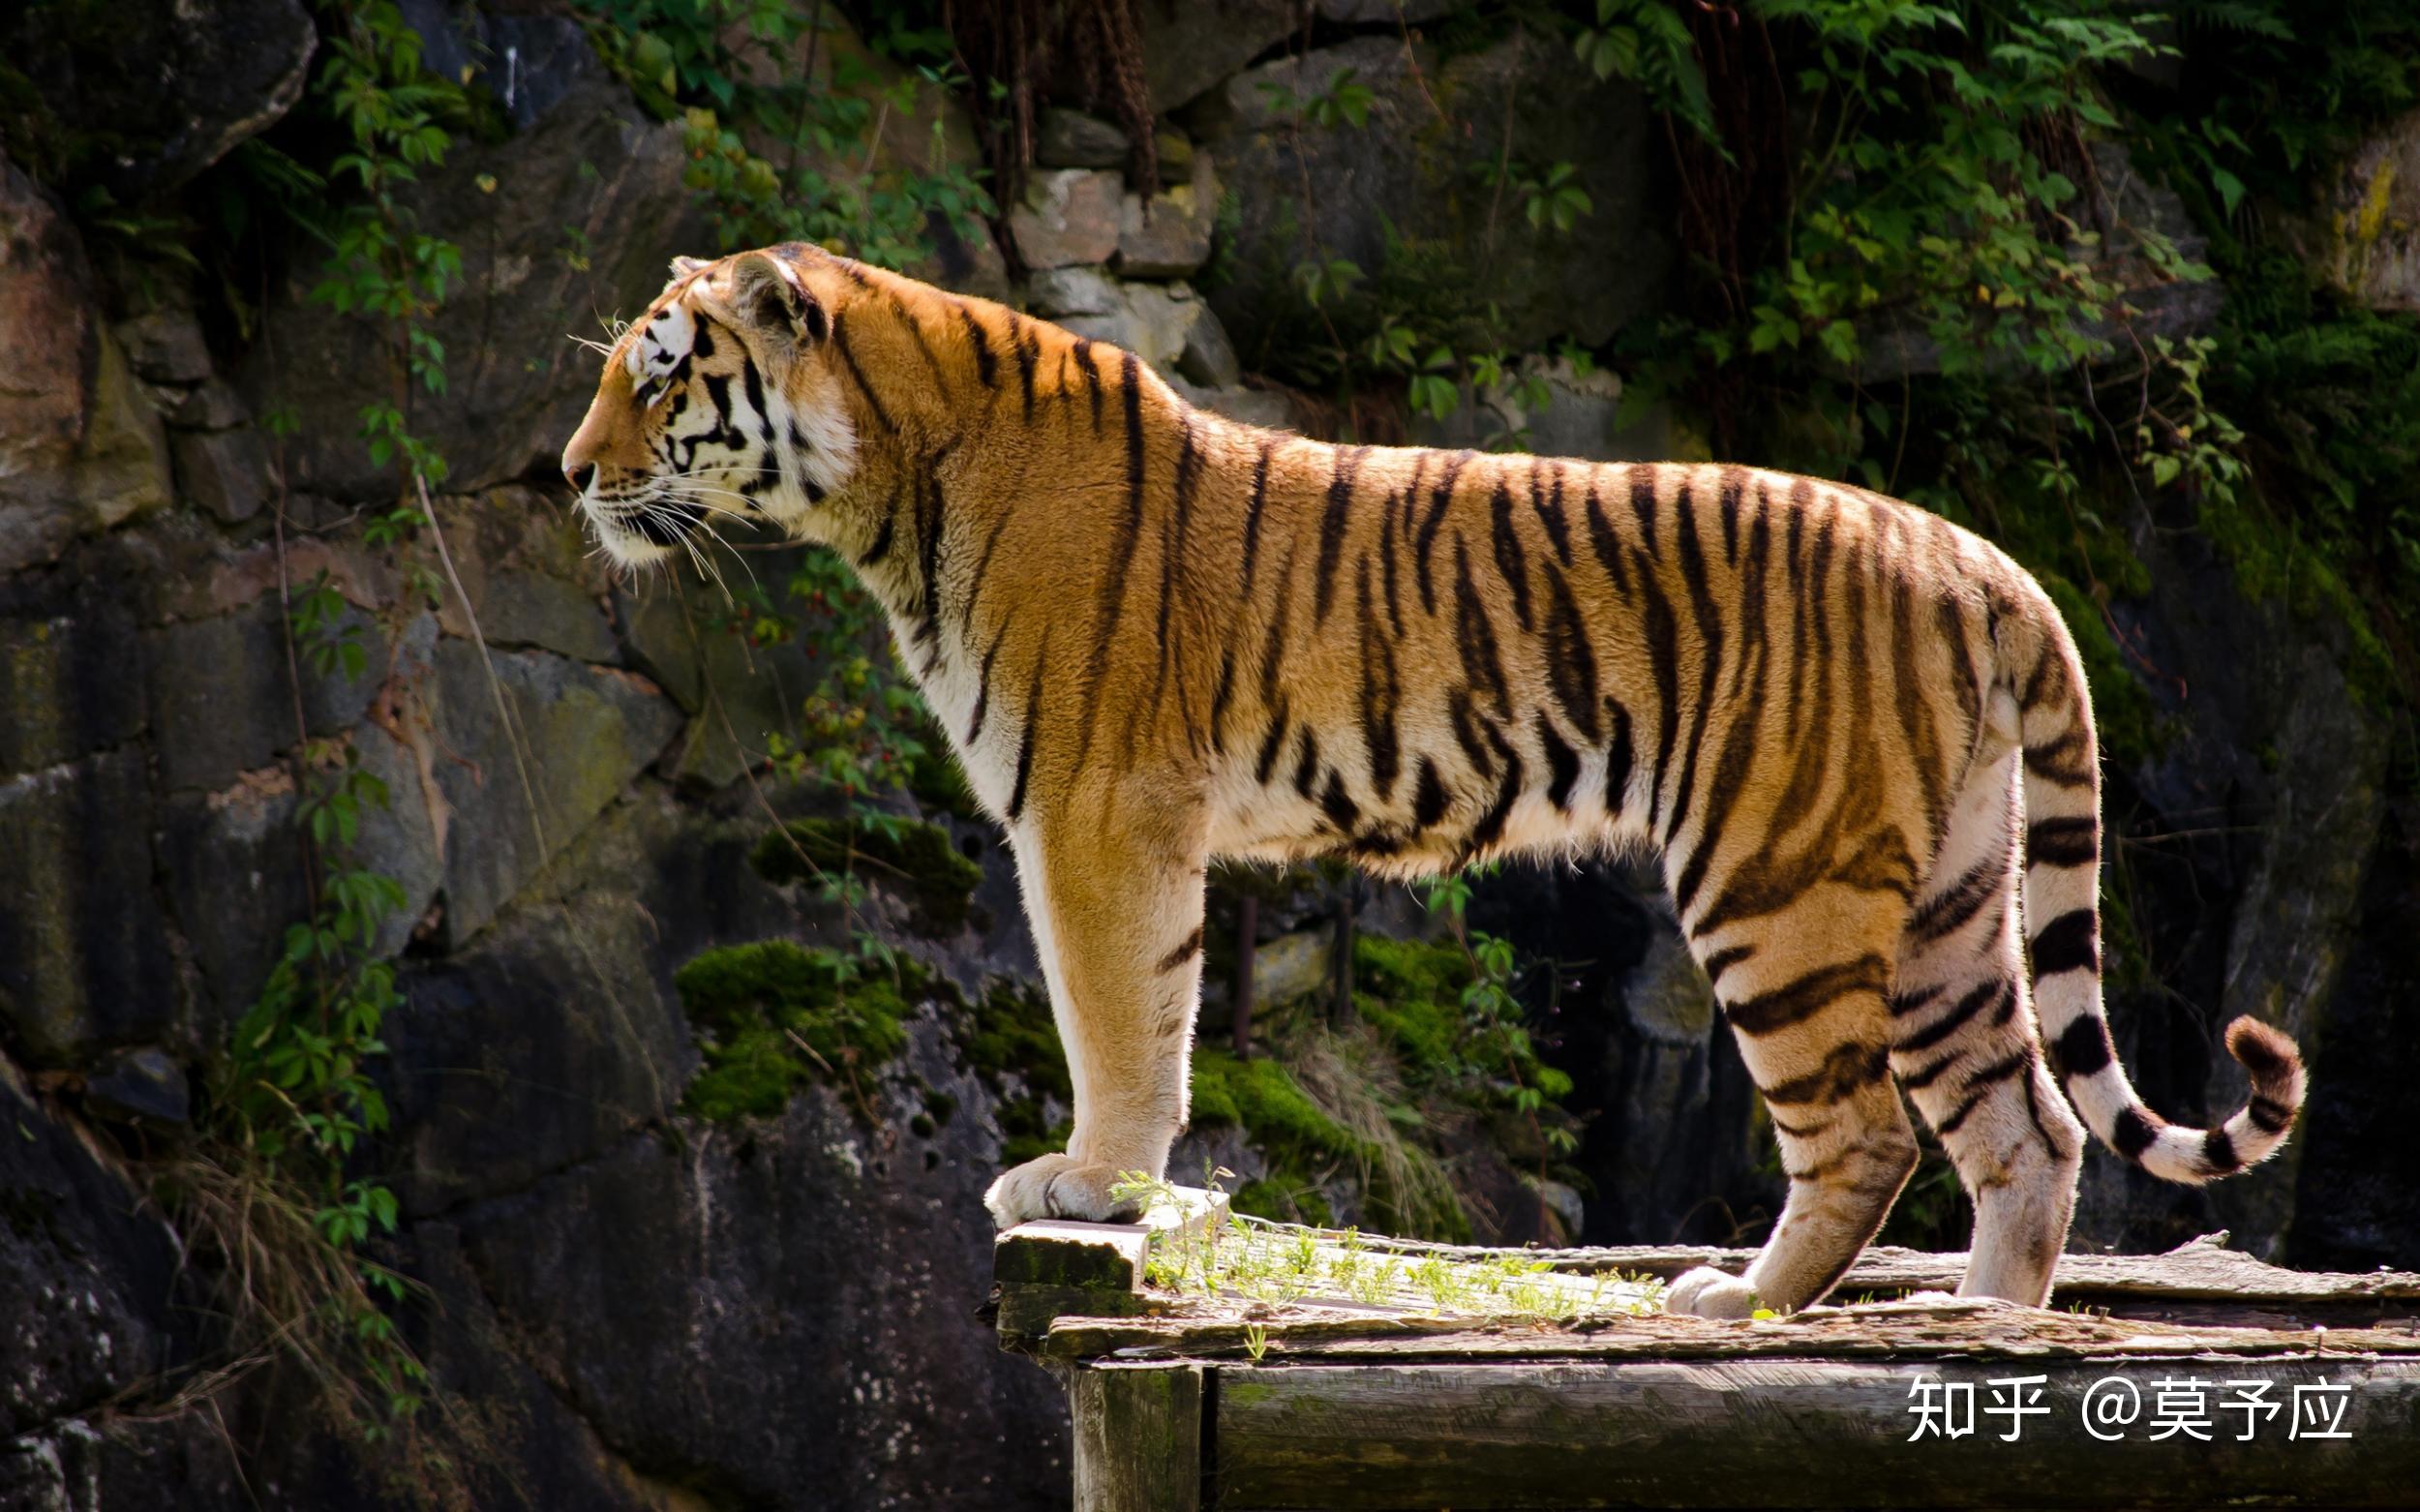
(1804, 989)
(1965, 1046)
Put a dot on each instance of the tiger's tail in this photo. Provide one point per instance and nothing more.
(2062, 910)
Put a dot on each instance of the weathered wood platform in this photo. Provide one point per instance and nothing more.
(1309, 1372)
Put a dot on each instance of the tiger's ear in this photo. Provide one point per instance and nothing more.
(683, 267)
(767, 293)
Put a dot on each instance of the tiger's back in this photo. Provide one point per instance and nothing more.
(1856, 737)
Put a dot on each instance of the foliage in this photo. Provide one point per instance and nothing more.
(398, 118)
(1409, 321)
(269, 1188)
(773, 1017)
(785, 145)
(1879, 184)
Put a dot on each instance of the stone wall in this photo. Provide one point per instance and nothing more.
(630, 1307)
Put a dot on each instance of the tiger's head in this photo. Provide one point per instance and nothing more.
(720, 405)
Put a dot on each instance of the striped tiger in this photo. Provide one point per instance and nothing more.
(1855, 736)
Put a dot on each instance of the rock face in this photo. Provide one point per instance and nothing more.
(634, 1306)
(832, 1258)
(585, 208)
(2367, 235)
(1067, 217)
(1306, 191)
(141, 97)
(80, 448)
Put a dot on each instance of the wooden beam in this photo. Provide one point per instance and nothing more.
(1138, 1437)
(1056, 1267)
(2202, 1268)
(1790, 1434)
(1913, 1330)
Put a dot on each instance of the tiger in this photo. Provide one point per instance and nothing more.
(1855, 737)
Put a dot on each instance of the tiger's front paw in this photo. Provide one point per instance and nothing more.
(1056, 1186)
(1707, 1293)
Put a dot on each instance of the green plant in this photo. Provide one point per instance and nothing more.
(792, 150)
(380, 264)
(272, 1187)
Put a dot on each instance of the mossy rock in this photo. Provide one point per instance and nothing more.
(906, 855)
(1260, 1097)
(938, 784)
(1013, 1044)
(774, 1016)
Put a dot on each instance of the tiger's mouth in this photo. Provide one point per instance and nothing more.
(644, 530)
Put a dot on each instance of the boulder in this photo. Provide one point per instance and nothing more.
(1583, 416)
(1151, 320)
(48, 345)
(1189, 46)
(89, 1275)
(1384, 13)
(165, 345)
(1435, 135)
(137, 98)
(2129, 214)
(816, 1265)
(2366, 238)
(1058, 293)
(1272, 407)
(526, 63)
(225, 473)
(1065, 138)
(921, 128)
(83, 949)
(585, 206)
(144, 1083)
(1066, 217)
(584, 732)
(64, 689)
(80, 447)
(1168, 234)
(737, 693)
(524, 559)
(1208, 358)
(557, 1032)
(222, 698)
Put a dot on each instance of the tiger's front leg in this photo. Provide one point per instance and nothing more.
(1113, 888)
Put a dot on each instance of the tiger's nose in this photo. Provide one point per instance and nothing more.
(580, 474)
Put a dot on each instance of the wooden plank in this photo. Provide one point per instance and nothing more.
(1795, 1434)
(1138, 1437)
(1055, 1267)
(1913, 1329)
(2202, 1268)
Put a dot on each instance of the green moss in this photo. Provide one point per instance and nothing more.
(1413, 995)
(1260, 1097)
(1282, 1202)
(773, 1017)
(1012, 1045)
(938, 784)
(1433, 972)
(899, 853)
